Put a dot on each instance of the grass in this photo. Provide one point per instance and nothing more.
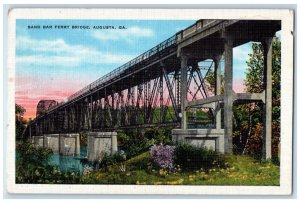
(240, 170)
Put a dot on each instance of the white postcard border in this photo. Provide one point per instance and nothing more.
(286, 17)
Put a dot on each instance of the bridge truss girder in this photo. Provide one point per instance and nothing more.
(152, 102)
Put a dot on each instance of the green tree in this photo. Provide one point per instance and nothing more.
(249, 126)
(210, 82)
(20, 122)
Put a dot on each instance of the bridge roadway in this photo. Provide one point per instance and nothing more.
(158, 87)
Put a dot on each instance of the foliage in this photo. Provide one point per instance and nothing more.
(248, 128)
(20, 122)
(166, 112)
(210, 82)
(29, 154)
(132, 143)
(276, 141)
(32, 167)
(135, 143)
(163, 156)
(159, 135)
(19, 110)
(189, 157)
(112, 159)
(254, 146)
(246, 117)
(123, 140)
(140, 162)
(255, 74)
(138, 146)
(83, 138)
(240, 170)
(248, 123)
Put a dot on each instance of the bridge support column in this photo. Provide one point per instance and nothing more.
(218, 85)
(38, 141)
(51, 141)
(267, 118)
(183, 87)
(101, 144)
(210, 138)
(228, 95)
(69, 144)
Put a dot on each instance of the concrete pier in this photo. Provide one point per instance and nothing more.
(210, 138)
(38, 141)
(101, 144)
(69, 144)
(51, 141)
(267, 119)
(228, 92)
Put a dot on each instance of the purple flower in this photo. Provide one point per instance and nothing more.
(163, 156)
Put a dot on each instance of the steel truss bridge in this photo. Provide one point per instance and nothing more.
(160, 86)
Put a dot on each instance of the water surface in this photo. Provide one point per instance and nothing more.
(70, 163)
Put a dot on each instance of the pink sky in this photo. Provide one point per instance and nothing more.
(30, 90)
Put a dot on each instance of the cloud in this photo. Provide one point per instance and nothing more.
(59, 53)
(129, 35)
(45, 60)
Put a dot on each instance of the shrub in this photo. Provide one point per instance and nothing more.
(28, 154)
(254, 147)
(138, 146)
(123, 140)
(83, 138)
(133, 144)
(159, 135)
(163, 156)
(32, 167)
(113, 159)
(189, 157)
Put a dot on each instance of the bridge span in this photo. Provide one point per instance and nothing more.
(162, 86)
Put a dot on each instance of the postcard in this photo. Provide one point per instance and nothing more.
(150, 101)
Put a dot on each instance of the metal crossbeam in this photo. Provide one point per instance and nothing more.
(170, 91)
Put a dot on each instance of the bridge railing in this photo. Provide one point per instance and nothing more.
(101, 81)
(146, 55)
(143, 57)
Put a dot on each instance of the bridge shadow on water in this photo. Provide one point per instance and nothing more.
(70, 163)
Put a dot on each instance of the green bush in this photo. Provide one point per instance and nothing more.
(20, 121)
(123, 140)
(189, 157)
(109, 160)
(159, 135)
(32, 167)
(138, 146)
(133, 144)
(83, 138)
